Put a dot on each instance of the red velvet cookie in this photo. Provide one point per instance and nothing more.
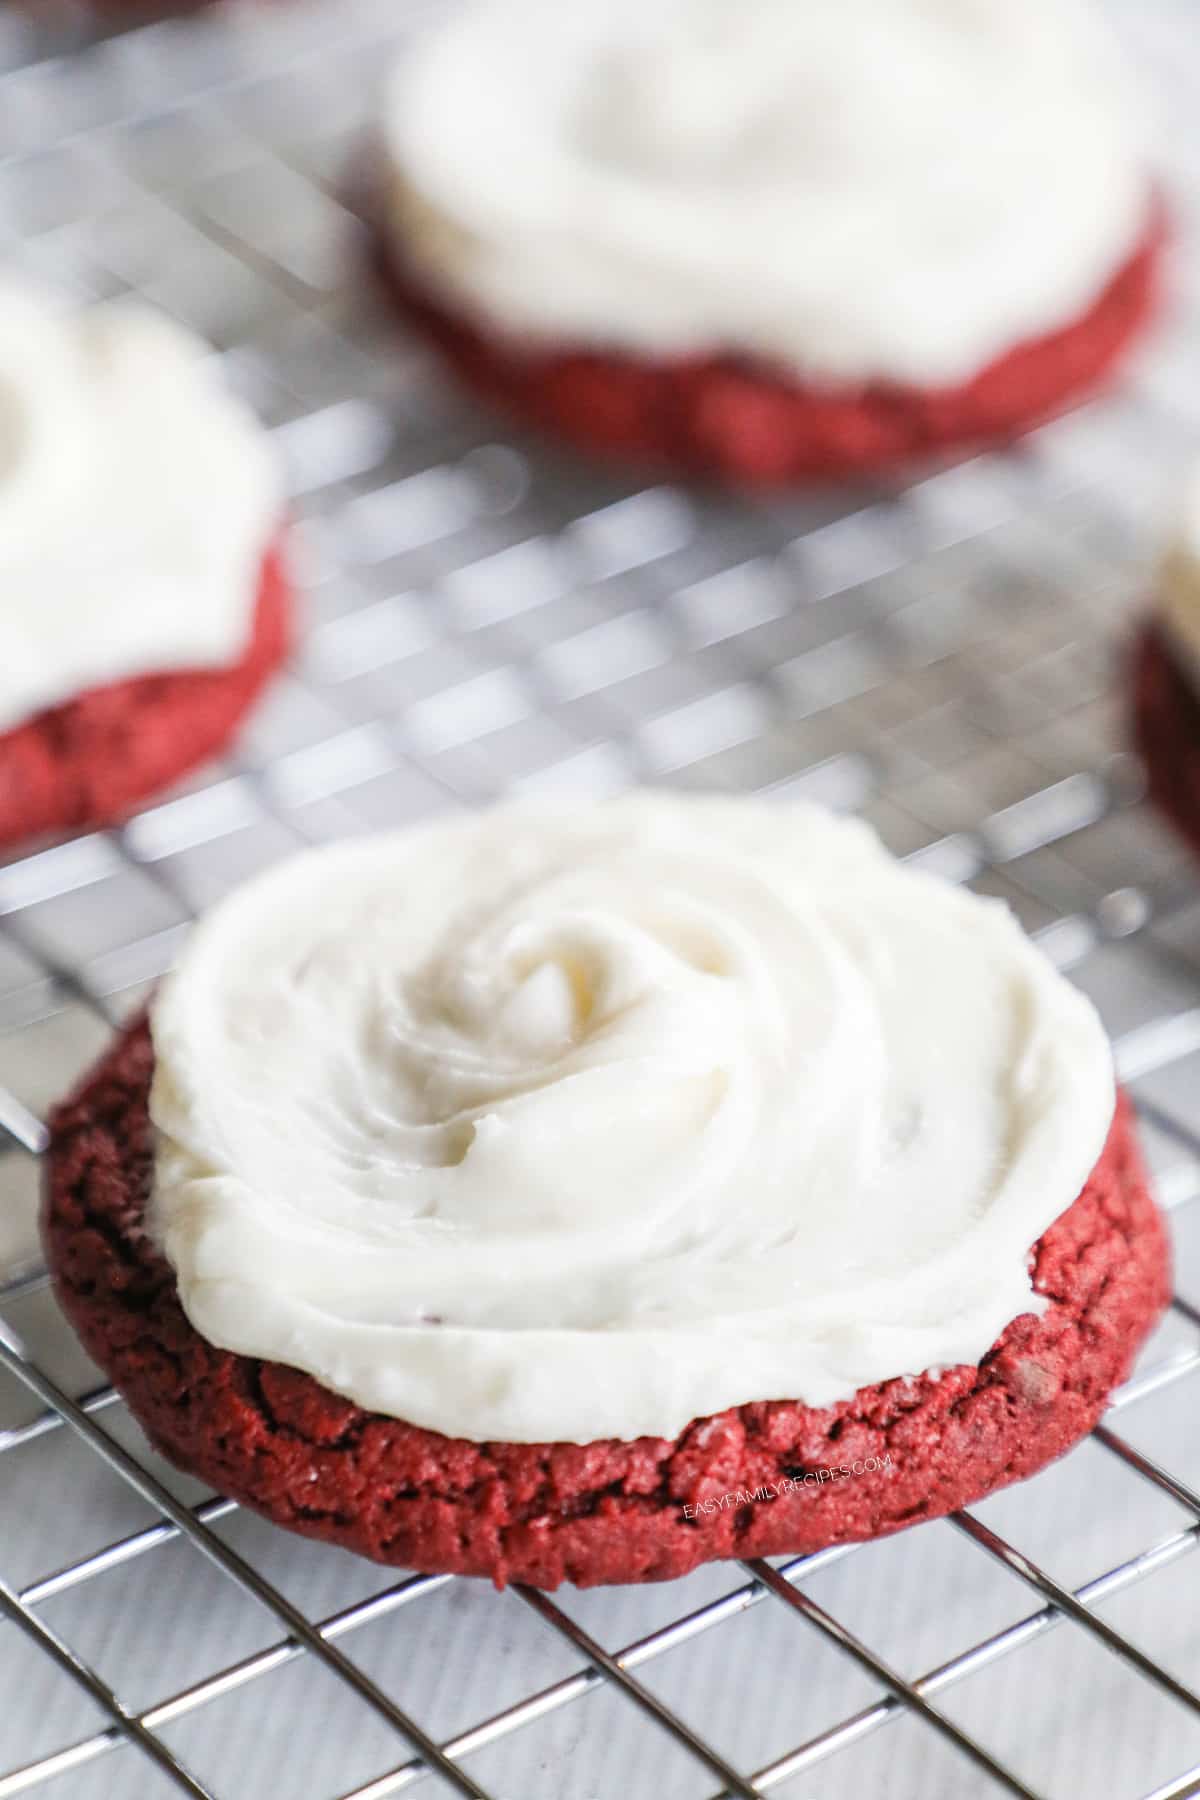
(758, 1480)
(89, 761)
(1166, 721)
(743, 421)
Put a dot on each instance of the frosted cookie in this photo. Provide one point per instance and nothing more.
(772, 242)
(144, 600)
(583, 1198)
(1166, 677)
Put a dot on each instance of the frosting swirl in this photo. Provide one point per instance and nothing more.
(893, 189)
(543, 1126)
(137, 500)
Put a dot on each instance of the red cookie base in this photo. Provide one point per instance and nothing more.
(741, 421)
(1166, 724)
(88, 762)
(611, 1511)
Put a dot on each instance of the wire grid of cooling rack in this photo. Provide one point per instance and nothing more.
(484, 615)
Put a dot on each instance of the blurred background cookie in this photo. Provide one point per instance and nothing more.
(770, 243)
(1166, 678)
(145, 601)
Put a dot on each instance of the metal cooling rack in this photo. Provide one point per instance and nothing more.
(483, 615)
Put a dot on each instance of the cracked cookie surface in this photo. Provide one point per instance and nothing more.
(745, 1482)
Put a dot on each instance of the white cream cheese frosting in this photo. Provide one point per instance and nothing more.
(892, 189)
(137, 500)
(540, 1125)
